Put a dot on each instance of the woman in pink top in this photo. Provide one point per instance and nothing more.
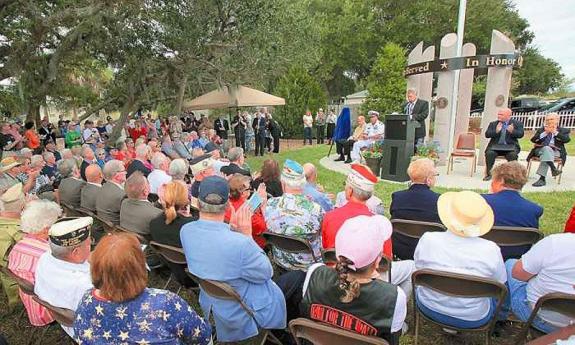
(36, 220)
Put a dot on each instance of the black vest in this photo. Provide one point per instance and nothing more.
(369, 314)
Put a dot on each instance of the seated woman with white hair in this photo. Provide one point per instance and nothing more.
(36, 220)
(178, 170)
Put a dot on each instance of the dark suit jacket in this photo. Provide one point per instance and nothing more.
(109, 201)
(69, 190)
(561, 139)
(511, 138)
(511, 209)
(259, 125)
(418, 202)
(136, 215)
(420, 113)
(88, 196)
(137, 165)
(218, 125)
(233, 168)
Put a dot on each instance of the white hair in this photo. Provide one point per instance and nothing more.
(25, 151)
(111, 168)
(294, 184)
(66, 152)
(38, 215)
(142, 150)
(36, 160)
(47, 155)
(235, 153)
(178, 169)
(66, 167)
(158, 159)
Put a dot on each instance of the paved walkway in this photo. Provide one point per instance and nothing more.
(460, 178)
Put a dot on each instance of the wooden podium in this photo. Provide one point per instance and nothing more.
(398, 147)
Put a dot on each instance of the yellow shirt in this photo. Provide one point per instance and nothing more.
(358, 132)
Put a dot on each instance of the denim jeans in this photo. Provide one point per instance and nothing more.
(307, 134)
(455, 322)
(517, 300)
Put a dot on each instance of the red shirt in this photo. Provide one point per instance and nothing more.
(333, 220)
(570, 225)
(135, 133)
(258, 221)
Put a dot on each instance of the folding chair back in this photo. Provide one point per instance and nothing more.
(63, 316)
(23, 284)
(558, 302)
(458, 285)
(107, 225)
(171, 254)
(220, 290)
(511, 236)
(69, 210)
(142, 238)
(406, 234)
(289, 244)
(465, 141)
(322, 334)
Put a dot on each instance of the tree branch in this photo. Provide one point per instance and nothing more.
(97, 108)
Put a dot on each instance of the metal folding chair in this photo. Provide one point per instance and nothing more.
(322, 334)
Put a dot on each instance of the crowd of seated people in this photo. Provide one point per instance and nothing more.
(217, 210)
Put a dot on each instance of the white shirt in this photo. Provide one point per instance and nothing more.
(87, 134)
(157, 178)
(552, 261)
(218, 165)
(307, 121)
(445, 251)
(61, 283)
(374, 129)
(399, 313)
(374, 204)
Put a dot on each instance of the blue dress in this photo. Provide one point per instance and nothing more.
(154, 317)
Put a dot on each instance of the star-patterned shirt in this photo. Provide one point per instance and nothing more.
(154, 317)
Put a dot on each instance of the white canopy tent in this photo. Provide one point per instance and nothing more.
(231, 97)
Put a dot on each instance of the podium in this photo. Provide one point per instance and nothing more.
(398, 147)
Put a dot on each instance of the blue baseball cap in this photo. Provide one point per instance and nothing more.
(214, 190)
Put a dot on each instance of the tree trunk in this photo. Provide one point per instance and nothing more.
(33, 113)
(126, 109)
(181, 94)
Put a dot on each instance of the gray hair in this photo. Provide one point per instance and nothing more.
(360, 193)
(294, 184)
(235, 153)
(62, 253)
(412, 91)
(142, 150)
(47, 155)
(209, 208)
(158, 159)
(86, 148)
(111, 168)
(66, 152)
(66, 167)
(25, 151)
(39, 215)
(178, 169)
(36, 160)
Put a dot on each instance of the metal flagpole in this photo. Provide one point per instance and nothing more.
(459, 48)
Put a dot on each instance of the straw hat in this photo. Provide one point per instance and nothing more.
(8, 163)
(465, 214)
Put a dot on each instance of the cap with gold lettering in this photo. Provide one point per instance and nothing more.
(71, 231)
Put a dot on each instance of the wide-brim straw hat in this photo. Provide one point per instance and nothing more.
(465, 213)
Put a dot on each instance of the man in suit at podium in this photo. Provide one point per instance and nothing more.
(503, 134)
(418, 110)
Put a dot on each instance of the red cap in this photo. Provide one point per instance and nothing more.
(364, 171)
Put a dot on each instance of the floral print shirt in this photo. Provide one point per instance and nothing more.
(295, 215)
(154, 317)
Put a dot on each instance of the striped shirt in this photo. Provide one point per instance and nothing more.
(22, 261)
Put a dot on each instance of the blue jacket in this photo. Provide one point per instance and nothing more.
(511, 209)
(213, 251)
(343, 126)
(418, 202)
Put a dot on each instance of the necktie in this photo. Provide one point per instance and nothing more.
(503, 134)
(547, 140)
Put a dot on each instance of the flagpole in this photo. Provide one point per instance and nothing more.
(455, 93)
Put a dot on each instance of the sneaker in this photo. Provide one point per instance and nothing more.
(487, 178)
(539, 183)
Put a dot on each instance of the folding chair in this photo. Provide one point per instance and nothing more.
(69, 210)
(558, 302)
(107, 225)
(63, 316)
(406, 234)
(173, 256)
(289, 244)
(464, 148)
(144, 239)
(221, 290)
(513, 241)
(558, 161)
(458, 285)
(322, 334)
(329, 258)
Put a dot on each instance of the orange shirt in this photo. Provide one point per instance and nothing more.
(32, 139)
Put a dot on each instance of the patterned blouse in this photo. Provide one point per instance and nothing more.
(295, 215)
(154, 317)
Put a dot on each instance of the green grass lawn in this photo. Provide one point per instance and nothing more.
(557, 205)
